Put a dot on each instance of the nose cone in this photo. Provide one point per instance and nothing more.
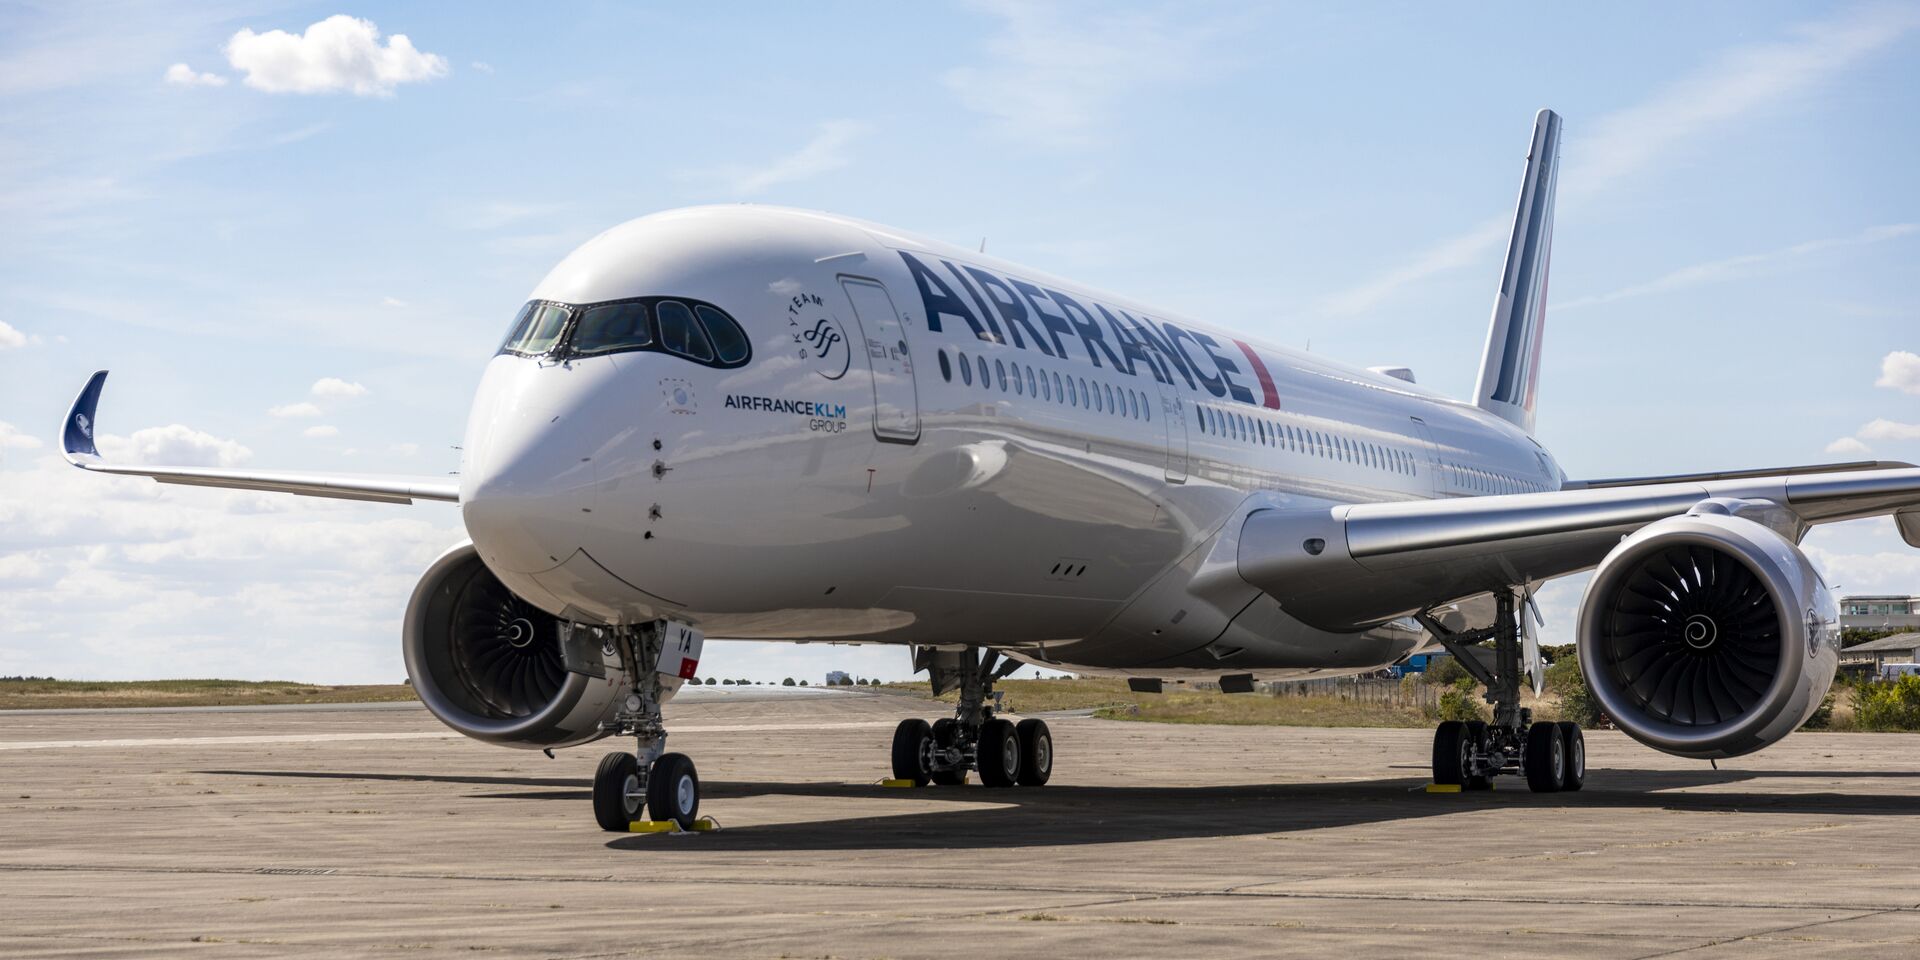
(527, 488)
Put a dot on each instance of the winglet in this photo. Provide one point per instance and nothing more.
(77, 439)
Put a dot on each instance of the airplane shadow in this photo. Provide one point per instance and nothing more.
(1065, 815)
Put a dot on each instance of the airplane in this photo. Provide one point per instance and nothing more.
(776, 424)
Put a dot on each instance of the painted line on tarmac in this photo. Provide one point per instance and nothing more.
(429, 735)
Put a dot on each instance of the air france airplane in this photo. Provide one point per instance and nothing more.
(775, 424)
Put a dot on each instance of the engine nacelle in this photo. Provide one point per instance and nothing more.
(1708, 635)
(499, 669)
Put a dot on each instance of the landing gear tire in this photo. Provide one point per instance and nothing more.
(1477, 737)
(1036, 752)
(1450, 746)
(617, 797)
(673, 790)
(945, 731)
(998, 754)
(1545, 760)
(910, 750)
(1575, 744)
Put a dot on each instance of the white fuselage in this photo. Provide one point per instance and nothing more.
(932, 446)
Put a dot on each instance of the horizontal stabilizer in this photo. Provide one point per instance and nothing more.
(82, 426)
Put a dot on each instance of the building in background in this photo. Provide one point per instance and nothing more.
(1880, 613)
(1867, 658)
(838, 678)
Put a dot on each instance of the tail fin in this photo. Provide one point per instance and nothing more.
(1510, 370)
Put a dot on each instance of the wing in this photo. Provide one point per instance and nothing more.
(1357, 565)
(81, 425)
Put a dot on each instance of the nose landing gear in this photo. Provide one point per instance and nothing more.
(1469, 754)
(973, 739)
(665, 785)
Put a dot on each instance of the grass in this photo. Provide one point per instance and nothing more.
(1112, 700)
(18, 693)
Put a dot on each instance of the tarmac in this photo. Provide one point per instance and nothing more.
(379, 833)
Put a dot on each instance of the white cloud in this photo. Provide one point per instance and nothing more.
(1729, 268)
(9, 337)
(12, 439)
(392, 302)
(175, 445)
(1884, 429)
(1054, 77)
(301, 409)
(321, 431)
(1849, 447)
(338, 53)
(181, 75)
(494, 214)
(481, 66)
(1624, 143)
(336, 387)
(403, 449)
(1900, 370)
(826, 152)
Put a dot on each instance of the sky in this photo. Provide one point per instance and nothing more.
(295, 234)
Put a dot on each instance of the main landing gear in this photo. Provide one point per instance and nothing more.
(663, 785)
(1469, 754)
(973, 738)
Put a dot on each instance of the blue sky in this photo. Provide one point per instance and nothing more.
(297, 248)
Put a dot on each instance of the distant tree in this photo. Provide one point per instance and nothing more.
(727, 682)
(873, 682)
(788, 682)
(1577, 704)
(1459, 702)
(1445, 671)
(1888, 704)
(711, 681)
(1854, 636)
(803, 683)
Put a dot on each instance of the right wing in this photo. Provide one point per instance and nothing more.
(77, 444)
(1351, 566)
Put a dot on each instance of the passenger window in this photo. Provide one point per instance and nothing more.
(946, 369)
(966, 370)
(1032, 391)
(1059, 396)
(1000, 374)
(1046, 389)
(1086, 400)
(729, 341)
(1017, 386)
(611, 327)
(680, 334)
(1108, 390)
(985, 382)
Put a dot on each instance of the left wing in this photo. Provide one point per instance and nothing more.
(77, 443)
(1361, 564)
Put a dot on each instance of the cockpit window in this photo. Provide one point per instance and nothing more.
(680, 334)
(729, 341)
(695, 331)
(610, 327)
(541, 331)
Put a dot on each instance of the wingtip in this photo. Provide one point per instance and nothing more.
(77, 435)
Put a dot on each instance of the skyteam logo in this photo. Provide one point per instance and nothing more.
(817, 337)
(86, 426)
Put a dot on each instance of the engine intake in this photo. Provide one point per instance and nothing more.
(499, 669)
(1708, 635)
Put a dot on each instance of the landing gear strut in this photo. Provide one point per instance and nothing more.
(1469, 754)
(665, 785)
(973, 738)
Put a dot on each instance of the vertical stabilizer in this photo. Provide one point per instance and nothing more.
(1510, 371)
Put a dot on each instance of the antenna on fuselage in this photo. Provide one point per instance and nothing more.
(983, 244)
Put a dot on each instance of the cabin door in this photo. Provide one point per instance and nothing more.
(883, 337)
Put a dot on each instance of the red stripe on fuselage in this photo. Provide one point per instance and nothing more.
(1270, 396)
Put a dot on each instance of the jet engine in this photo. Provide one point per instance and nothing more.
(496, 668)
(1708, 635)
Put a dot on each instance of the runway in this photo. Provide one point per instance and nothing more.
(371, 832)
